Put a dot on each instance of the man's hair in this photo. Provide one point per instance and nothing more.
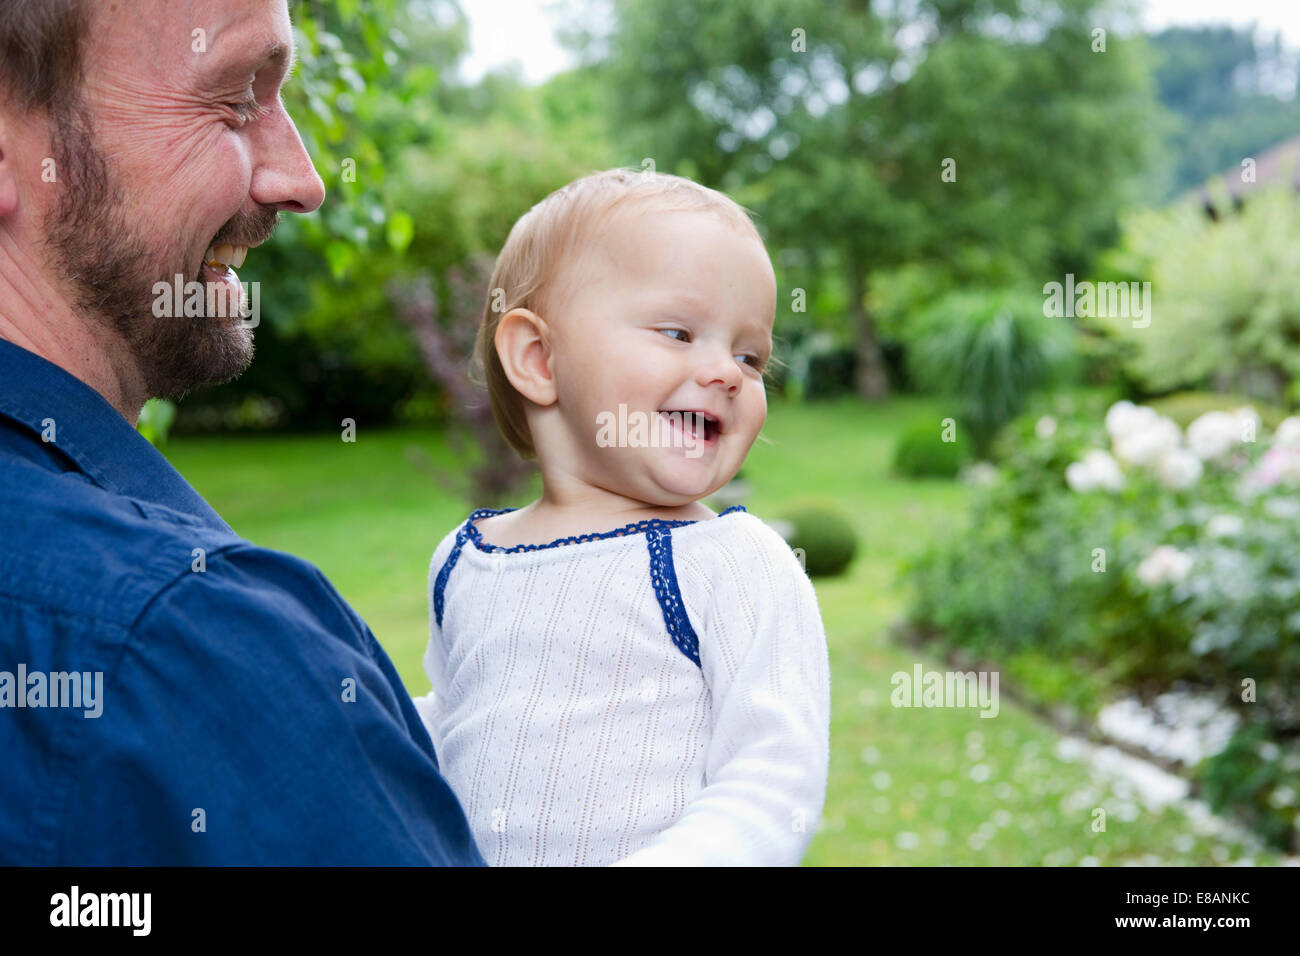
(41, 46)
(530, 271)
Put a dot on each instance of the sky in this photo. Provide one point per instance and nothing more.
(504, 30)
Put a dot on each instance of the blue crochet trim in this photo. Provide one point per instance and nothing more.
(627, 529)
(440, 583)
(664, 578)
(662, 572)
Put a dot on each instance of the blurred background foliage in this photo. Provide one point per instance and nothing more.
(893, 155)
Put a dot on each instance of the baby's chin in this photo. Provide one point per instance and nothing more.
(676, 487)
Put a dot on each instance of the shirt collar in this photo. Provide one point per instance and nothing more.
(37, 394)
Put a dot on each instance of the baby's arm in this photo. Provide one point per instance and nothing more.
(435, 656)
(763, 652)
(430, 714)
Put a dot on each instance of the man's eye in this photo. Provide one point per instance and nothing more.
(248, 110)
(682, 331)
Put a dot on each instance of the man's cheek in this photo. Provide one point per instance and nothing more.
(190, 157)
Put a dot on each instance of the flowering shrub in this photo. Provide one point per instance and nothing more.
(1123, 546)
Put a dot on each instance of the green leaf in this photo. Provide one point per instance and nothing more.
(340, 256)
(156, 420)
(401, 230)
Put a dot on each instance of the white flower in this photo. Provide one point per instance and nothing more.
(1079, 478)
(1097, 470)
(980, 474)
(1104, 469)
(1164, 565)
(1284, 509)
(1247, 423)
(1288, 433)
(1178, 468)
(1124, 417)
(1148, 440)
(1215, 434)
(1224, 526)
(1045, 427)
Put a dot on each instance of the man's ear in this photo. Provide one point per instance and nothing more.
(8, 172)
(523, 343)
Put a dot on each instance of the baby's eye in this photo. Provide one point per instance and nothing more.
(754, 360)
(682, 331)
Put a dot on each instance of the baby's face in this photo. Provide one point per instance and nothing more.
(672, 313)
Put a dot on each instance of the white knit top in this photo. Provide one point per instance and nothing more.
(657, 695)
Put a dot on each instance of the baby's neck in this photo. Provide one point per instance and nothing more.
(541, 523)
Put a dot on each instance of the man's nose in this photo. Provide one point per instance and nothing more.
(284, 177)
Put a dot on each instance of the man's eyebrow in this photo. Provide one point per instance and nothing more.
(273, 53)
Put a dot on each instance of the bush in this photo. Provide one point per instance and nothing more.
(990, 349)
(1247, 776)
(818, 367)
(1150, 559)
(826, 537)
(1185, 407)
(922, 453)
(1226, 294)
(830, 373)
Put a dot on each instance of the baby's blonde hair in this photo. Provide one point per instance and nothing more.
(543, 243)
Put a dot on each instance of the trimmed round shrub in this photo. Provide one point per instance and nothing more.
(921, 451)
(826, 537)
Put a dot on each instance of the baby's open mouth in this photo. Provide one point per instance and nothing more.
(692, 422)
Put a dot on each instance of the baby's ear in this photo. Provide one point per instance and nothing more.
(523, 344)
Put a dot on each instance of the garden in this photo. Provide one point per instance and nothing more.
(1099, 506)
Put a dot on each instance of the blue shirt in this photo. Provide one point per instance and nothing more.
(246, 713)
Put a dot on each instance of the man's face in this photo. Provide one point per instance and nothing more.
(163, 166)
(673, 313)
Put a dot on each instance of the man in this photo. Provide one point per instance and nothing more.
(169, 693)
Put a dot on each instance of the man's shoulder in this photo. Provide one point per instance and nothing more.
(74, 548)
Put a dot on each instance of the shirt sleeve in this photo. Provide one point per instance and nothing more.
(253, 719)
(435, 654)
(764, 657)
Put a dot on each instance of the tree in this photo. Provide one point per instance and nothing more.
(989, 138)
(1231, 97)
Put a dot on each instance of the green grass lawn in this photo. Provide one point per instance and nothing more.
(907, 786)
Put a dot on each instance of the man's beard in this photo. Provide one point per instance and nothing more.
(112, 270)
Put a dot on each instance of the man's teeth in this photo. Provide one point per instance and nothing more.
(226, 256)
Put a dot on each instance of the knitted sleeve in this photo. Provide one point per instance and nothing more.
(435, 655)
(764, 657)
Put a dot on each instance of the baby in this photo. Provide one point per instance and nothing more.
(619, 674)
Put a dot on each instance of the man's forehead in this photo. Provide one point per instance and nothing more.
(214, 39)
